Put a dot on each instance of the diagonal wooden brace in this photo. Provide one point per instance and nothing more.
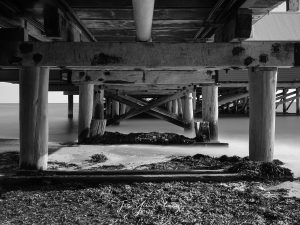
(139, 106)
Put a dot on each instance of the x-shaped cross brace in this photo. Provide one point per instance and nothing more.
(140, 106)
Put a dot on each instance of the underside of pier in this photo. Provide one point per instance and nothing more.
(165, 58)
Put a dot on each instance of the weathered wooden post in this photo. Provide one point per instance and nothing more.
(143, 14)
(202, 131)
(210, 111)
(70, 106)
(194, 100)
(284, 92)
(34, 82)
(179, 103)
(175, 107)
(298, 101)
(262, 95)
(108, 108)
(122, 109)
(86, 96)
(98, 123)
(188, 114)
(115, 110)
(169, 106)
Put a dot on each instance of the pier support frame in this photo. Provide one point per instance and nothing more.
(115, 111)
(70, 106)
(175, 106)
(188, 113)
(210, 112)
(86, 96)
(262, 94)
(34, 83)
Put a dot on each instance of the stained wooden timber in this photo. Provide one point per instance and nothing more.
(127, 14)
(34, 118)
(86, 96)
(155, 112)
(128, 4)
(292, 5)
(262, 92)
(190, 56)
(210, 109)
(143, 77)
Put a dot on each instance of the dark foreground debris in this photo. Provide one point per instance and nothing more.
(242, 202)
(148, 203)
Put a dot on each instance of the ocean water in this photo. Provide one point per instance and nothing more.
(231, 130)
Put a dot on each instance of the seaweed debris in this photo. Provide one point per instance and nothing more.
(140, 138)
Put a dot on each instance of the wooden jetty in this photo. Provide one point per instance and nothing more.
(118, 54)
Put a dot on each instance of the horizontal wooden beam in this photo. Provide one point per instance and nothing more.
(143, 77)
(190, 56)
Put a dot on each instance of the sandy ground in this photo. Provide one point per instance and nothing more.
(135, 155)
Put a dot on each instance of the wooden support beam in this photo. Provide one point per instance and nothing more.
(86, 96)
(151, 106)
(175, 107)
(284, 92)
(108, 108)
(158, 78)
(34, 118)
(169, 106)
(180, 109)
(262, 91)
(188, 114)
(210, 109)
(115, 112)
(70, 106)
(238, 27)
(122, 109)
(118, 55)
(292, 5)
(98, 112)
(143, 14)
(98, 123)
(194, 100)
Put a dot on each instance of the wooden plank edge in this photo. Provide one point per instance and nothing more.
(29, 180)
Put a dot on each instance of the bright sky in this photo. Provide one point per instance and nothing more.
(9, 93)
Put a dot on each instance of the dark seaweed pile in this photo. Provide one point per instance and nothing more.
(148, 203)
(264, 170)
(140, 138)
